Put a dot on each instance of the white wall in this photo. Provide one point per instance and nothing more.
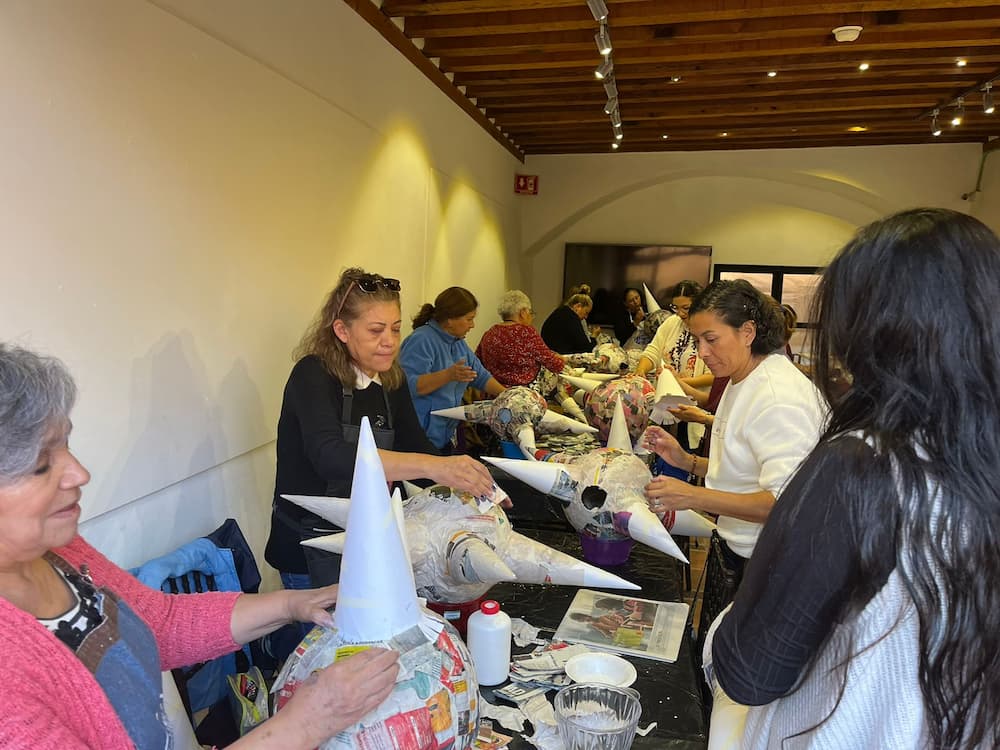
(182, 183)
(986, 203)
(775, 207)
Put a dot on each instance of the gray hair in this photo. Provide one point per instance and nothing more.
(512, 303)
(36, 392)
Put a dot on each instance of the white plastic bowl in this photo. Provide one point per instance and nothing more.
(601, 668)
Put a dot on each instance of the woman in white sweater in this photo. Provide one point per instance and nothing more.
(868, 614)
(768, 420)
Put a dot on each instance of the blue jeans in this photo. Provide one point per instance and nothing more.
(295, 581)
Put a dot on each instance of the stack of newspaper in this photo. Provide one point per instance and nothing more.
(541, 670)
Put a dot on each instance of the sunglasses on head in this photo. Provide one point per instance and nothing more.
(370, 282)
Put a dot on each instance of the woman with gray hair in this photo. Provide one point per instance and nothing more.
(516, 355)
(83, 642)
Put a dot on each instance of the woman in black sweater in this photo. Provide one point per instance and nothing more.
(347, 369)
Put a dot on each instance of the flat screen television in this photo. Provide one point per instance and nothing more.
(611, 269)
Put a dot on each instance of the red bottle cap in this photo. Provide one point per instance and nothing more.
(489, 607)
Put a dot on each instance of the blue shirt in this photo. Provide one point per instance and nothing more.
(430, 349)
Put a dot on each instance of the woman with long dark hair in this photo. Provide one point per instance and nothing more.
(868, 614)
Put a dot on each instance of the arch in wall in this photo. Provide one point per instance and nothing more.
(863, 205)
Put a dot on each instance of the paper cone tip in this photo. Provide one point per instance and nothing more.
(619, 437)
(652, 305)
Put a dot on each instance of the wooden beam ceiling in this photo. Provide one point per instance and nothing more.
(692, 69)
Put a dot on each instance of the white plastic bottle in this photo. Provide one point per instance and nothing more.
(489, 642)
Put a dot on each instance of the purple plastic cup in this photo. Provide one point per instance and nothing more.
(606, 551)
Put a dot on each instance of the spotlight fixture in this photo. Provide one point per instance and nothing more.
(961, 62)
(605, 69)
(598, 9)
(675, 79)
(615, 145)
(959, 113)
(863, 67)
(619, 135)
(935, 128)
(724, 134)
(988, 107)
(603, 40)
(611, 106)
(616, 119)
(772, 73)
(611, 88)
(664, 136)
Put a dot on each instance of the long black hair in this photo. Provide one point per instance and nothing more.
(908, 310)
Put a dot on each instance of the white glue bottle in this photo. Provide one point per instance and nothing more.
(489, 643)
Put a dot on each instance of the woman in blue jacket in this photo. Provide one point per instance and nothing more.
(439, 365)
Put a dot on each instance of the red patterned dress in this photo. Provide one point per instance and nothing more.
(514, 353)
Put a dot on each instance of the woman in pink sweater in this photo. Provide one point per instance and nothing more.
(83, 643)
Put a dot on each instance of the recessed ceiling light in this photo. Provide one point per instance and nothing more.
(724, 134)
(857, 129)
(863, 67)
(961, 62)
(664, 136)
(675, 79)
(772, 73)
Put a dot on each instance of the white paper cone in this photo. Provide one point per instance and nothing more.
(486, 565)
(330, 542)
(645, 527)
(411, 489)
(377, 598)
(573, 409)
(618, 436)
(585, 384)
(552, 422)
(397, 509)
(333, 509)
(651, 304)
(690, 523)
(534, 562)
(600, 377)
(543, 476)
(667, 385)
(526, 441)
(454, 412)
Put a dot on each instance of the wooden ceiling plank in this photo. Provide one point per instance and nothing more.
(482, 16)
(580, 97)
(774, 50)
(692, 73)
(815, 26)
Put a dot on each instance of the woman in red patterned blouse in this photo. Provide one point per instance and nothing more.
(512, 350)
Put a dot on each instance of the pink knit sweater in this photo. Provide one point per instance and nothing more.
(52, 702)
